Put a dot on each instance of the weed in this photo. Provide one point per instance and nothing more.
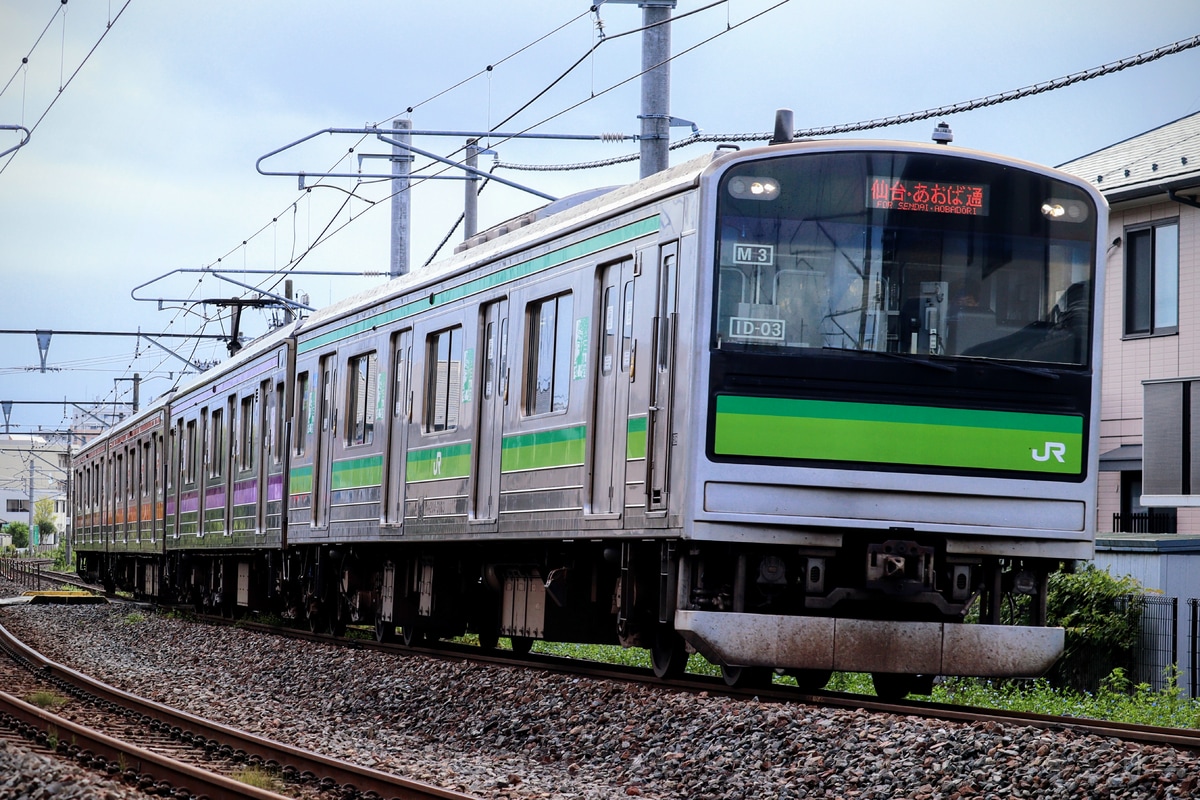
(46, 700)
(259, 778)
(133, 618)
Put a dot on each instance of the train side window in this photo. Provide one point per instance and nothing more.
(400, 382)
(246, 427)
(607, 342)
(187, 454)
(277, 414)
(303, 425)
(548, 360)
(627, 327)
(148, 468)
(504, 359)
(489, 361)
(216, 440)
(363, 395)
(172, 457)
(443, 380)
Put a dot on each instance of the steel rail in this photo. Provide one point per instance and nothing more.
(304, 762)
(1185, 738)
(98, 750)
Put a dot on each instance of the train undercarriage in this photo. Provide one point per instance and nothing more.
(892, 607)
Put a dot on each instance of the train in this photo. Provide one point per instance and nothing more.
(805, 407)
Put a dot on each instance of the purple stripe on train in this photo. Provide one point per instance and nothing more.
(214, 497)
(275, 487)
(245, 492)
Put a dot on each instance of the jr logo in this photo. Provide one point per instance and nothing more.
(1056, 449)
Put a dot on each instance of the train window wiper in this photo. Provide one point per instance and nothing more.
(911, 359)
(1041, 372)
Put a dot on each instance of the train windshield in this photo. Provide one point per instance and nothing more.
(908, 253)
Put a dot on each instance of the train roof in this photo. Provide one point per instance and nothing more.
(257, 347)
(553, 219)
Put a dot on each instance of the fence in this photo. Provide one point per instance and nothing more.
(32, 573)
(1158, 650)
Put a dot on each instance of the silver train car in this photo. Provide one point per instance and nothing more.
(815, 406)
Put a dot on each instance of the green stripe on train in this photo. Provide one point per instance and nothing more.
(635, 438)
(563, 447)
(563, 255)
(356, 473)
(437, 463)
(300, 480)
(897, 434)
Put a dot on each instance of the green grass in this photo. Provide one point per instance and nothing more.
(259, 778)
(47, 701)
(1118, 699)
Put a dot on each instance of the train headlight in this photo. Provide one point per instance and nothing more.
(754, 188)
(1058, 210)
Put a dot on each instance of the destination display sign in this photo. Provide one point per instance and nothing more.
(933, 197)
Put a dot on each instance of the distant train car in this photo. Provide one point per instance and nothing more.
(798, 407)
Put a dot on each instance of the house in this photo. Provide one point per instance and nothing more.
(25, 458)
(1148, 523)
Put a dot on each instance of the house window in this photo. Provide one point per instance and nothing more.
(1152, 279)
(549, 357)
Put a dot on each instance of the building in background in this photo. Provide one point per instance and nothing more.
(33, 468)
(1148, 522)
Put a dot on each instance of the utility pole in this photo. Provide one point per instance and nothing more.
(401, 198)
(656, 86)
(471, 194)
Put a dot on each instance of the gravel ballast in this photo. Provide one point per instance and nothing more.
(502, 732)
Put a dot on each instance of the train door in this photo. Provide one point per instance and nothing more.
(658, 420)
(493, 394)
(326, 433)
(396, 450)
(613, 375)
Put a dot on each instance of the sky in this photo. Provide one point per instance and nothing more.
(148, 119)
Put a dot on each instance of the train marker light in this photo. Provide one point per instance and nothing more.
(754, 188)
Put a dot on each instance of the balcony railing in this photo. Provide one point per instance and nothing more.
(1145, 522)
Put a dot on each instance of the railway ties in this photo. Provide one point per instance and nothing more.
(168, 752)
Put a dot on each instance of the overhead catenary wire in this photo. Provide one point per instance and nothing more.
(899, 119)
(64, 84)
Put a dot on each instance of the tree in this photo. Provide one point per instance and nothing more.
(43, 519)
(19, 532)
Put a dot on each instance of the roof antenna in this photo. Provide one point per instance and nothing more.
(785, 130)
(942, 134)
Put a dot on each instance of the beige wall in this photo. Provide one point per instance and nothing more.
(1126, 363)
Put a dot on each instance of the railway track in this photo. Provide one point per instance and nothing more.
(1188, 739)
(167, 751)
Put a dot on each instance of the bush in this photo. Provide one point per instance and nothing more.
(19, 532)
(1102, 616)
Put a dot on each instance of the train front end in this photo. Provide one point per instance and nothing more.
(900, 386)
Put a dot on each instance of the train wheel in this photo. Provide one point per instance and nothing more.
(668, 653)
(488, 639)
(746, 677)
(384, 631)
(811, 680)
(891, 686)
(521, 645)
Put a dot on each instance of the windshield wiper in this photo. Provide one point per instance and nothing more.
(907, 358)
